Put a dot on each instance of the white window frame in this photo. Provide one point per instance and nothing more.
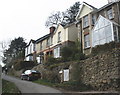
(87, 41)
(110, 13)
(93, 19)
(59, 36)
(85, 21)
(57, 52)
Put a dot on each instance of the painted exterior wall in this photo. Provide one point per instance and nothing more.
(86, 10)
(29, 51)
(37, 47)
(55, 35)
(72, 33)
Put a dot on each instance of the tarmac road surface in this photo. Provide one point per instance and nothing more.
(29, 87)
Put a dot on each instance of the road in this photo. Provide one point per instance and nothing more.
(29, 87)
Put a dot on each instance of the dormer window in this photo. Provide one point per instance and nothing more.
(110, 13)
(85, 22)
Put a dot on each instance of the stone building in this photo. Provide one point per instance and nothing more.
(98, 26)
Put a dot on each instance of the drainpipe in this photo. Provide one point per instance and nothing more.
(118, 7)
(80, 35)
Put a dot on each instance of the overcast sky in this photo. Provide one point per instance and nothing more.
(26, 18)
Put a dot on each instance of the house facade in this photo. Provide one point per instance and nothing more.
(98, 26)
(63, 36)
(30, 51)
(51, 44)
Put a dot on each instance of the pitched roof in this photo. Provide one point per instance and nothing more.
(107, 5)
(90, 5)
(31, 41)
(42, 38)
(85, 4)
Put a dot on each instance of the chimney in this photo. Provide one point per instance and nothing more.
(52, 29)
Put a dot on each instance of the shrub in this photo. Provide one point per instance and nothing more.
(74, 86)
(24, 65)
(104, 48)
(66, 53)
(50, 61)
(51, 76)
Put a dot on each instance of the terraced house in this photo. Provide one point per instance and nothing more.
(51, 44)
(98, 26)
(93, 27)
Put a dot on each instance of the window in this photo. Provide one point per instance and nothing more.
(85, 21)
(51, 41)
(41, 46)
(33, 47)
(57, 52)
(59, 36)
(93, 19)
(30, 58)
(103, 34)
(87, 41)
(48, 42)
(109, 13)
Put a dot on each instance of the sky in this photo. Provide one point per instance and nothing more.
(26, 18)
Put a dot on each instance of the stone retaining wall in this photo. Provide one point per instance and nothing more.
(102, 72)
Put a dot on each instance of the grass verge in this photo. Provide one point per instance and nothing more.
(9, 87)
(68, 86)
(44, 82)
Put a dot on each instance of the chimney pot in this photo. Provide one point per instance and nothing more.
(52, 29)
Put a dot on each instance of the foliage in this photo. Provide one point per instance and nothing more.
(64, 65)
(76, 72)
(51, 76)
(63, 18)
(9, 87)
(24, 65)
(52, 61)
(54, 19)
(66, 53)
(43, 82)
(72, 52)
(74, 86)
(70, 14)
(104, 48)
(15, 50)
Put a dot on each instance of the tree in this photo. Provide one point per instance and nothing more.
(15, 50)
(54, 19)
(3, 47)
(63, 18)
(17, 46)
(70, 14)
